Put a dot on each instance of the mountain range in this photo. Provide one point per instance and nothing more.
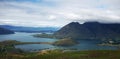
(29, 29)
(5, 31)
(89, 30)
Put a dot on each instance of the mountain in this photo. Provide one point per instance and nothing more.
(5, 31)
(29, 29)
(89, 30)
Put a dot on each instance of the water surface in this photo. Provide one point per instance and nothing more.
(27, 37)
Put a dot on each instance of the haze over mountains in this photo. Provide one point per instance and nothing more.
(29, 29)
(89, 30)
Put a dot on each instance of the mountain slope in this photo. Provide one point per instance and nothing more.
(5, 31)
(89, 30)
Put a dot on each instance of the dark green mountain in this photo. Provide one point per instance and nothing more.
(5, 31)
(89, 30)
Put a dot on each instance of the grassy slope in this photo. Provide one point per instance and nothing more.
(57, 54)
(100, 54)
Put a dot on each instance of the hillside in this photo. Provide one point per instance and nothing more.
(5, 31)
(89, 30)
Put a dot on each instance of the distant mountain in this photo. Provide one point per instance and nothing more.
(89, 30)
(29, 29)
(5, 31)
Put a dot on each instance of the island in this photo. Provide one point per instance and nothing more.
(43, 35)
(65, 42)
(110, 43)
(60, 42)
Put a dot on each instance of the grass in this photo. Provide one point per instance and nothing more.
(65, 42)
(14, 42)
(10, 52)
(55, 54)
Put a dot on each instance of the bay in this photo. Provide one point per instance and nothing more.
(27, 37)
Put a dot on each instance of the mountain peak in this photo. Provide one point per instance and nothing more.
(94, 22)
(89, 30)
(74, 23)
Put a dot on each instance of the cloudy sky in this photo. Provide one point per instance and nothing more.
(57, 13)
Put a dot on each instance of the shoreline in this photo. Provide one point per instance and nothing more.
(21, 43)
(109, 45)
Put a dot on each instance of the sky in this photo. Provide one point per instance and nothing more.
(57, 13)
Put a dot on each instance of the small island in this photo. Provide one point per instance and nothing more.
(110, 43)
(43, 35)
(65, 42)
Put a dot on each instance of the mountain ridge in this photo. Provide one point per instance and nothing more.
(5, 31)
(89, 30)
(29, 29)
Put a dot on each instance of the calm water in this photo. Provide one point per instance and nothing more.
(27, 37)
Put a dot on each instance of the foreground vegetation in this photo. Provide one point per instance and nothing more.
(8, 51)
(59, 54)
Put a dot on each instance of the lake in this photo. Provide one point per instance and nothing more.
(27, 37)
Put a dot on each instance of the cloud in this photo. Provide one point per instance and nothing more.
(57, 13)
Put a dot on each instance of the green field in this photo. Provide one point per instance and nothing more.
(58, 54)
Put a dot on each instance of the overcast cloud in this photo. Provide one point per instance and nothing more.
(57, 13)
